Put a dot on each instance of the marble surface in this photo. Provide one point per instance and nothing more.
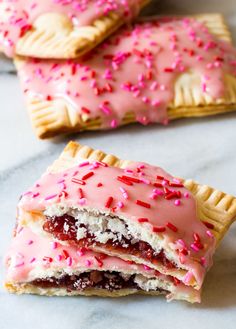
(203, 149)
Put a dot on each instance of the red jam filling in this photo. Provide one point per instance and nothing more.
(141, 249)
(95, 279)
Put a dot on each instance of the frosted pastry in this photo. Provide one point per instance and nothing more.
(39, 265)
(153, 71)
(130, 210)
(60, 29)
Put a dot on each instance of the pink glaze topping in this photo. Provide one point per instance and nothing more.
(134, 71)
(18, 16)
(24, 261)
(129, 194)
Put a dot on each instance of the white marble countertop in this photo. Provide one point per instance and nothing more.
(203, 149)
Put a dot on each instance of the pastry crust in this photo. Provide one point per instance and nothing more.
(58, 116)
(214, 206)
(53, 35)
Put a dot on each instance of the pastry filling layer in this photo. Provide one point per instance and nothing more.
(96, 279)
(67, 227)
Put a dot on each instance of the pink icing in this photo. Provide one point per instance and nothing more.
(135, 71)
(22, 260)
(18, 16)
(105, 188)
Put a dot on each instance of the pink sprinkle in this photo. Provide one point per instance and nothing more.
(186, 195)
(88, 263)
(145, 181)
(30, 242)
(50, 197)
(20, 264)
(153, 86)
(54, 245)
(58, 258)
(82, 164)
(147, 268)
(33, 259)
(82, 201)
(120, 204)
(35, 195)
(194, 247)
(141, 166)
(181, 242)
(69, 261)
(153, 196)
(209, 233)
(114, 123)
(177, 202)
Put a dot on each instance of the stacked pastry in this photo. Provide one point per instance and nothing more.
(96, 225)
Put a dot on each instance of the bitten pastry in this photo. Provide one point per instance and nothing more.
(152, 71)
(130, 210)
(39, 265)
(60, 29)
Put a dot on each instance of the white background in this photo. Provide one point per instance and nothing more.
(203, 149)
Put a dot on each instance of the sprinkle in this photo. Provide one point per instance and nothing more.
(47, 259)
(32, 260)
(196, 237)
(143, 204)
(184, 251)
(209, 233)
(63, 194)
(58, 258)
(120, 204)
(124, 193)
(30, 242)
(82, 201)
(85, 110)
(88, 263)
(109, 202)
(194, 247)
(88, 175)
(99, 184)
(65, 253)
(143, 220)
(50, 197)
(132, 179)
(158, 229)
(172, 227)
(186, 195)
(20, 264)
(35, 195)
(177, 202)
(69, 261)
(81, 193)
(54, 245)
(82, 164)
(124, 181)
(146, 268)
(78, 181)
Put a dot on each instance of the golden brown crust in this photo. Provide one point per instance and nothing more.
(50, 118)
(53, 35)
(214, 207)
